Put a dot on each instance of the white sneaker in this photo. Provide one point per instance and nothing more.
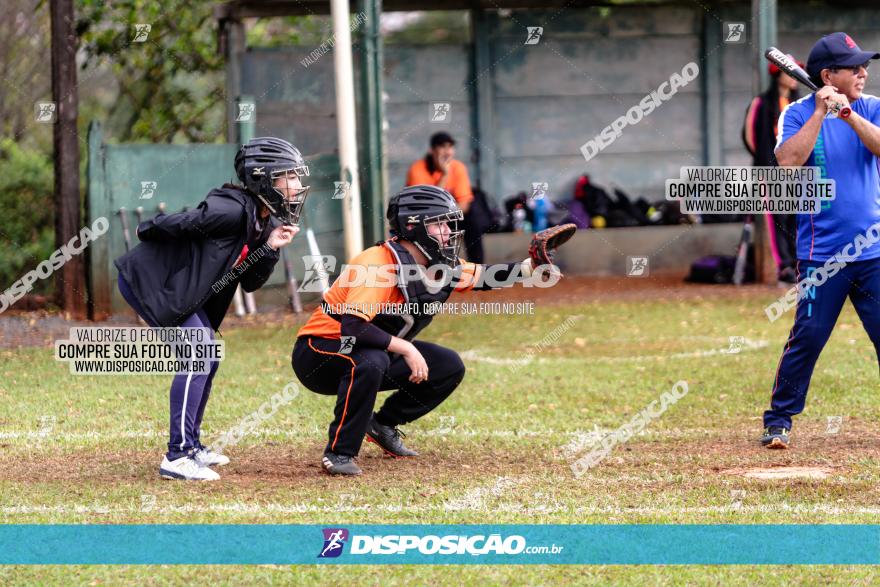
(208, 458)
(186, 468)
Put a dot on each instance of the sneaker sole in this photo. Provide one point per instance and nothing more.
(166, 474)
(340, 473)
(386, 451)
(215, 464)
(777, 444)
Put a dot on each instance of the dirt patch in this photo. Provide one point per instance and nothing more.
(271, 463)
(782, 472)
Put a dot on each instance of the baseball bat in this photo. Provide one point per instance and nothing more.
(316, 252)
(238, 299)
(742, 251)
(292, 286)
(250, 302)
(139, 214)
(788, 65)
(125, 233)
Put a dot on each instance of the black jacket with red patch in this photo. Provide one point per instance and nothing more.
(181, 262)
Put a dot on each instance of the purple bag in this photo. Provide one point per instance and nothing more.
(577, 214)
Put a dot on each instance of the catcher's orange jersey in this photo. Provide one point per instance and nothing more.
(365, 300)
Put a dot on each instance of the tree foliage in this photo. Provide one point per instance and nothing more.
(170, 86)
(27, 227)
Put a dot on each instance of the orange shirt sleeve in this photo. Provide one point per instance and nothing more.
(459, 184)
(418, 174)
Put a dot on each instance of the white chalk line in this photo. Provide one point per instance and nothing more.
(525, 359)
(597, 433)
(474, 499)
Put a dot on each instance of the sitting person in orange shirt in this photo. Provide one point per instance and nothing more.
(439, 168)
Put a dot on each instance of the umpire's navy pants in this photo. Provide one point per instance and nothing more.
(815, 317)
(189, 391)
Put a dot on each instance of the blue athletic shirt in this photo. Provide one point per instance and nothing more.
(842, 156)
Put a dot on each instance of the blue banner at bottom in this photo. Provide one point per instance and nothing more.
(440, 544)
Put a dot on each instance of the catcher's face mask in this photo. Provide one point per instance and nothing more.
(286, 195)
(443, 237)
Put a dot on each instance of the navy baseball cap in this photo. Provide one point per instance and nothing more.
(836, 50)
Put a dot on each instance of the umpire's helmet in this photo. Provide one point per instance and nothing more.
(259, 162)
(413, 212)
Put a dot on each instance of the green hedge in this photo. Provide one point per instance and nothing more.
(27, 218)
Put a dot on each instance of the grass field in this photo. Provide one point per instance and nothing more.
(86, 449)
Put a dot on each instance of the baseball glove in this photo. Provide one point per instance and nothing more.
(545, 243)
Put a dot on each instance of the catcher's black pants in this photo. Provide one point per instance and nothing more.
(357, 377)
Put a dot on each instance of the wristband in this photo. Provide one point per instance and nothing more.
(845, 112)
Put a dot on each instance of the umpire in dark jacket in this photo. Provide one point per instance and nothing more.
(186, 268)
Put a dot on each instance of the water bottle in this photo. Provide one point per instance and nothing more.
(540, 214)
(519, 218)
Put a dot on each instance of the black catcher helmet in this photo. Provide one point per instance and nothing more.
(414, 212)
(261, 161)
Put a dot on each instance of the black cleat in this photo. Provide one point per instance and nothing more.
(388, 439)
(340, 464)
(775, 437)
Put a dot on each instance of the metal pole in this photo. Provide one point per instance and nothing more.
(764, 34)
(346, 128)
(372, 118)
(764, 31)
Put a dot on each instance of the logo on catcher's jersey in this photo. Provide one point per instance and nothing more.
(334, 541)
(346, 344)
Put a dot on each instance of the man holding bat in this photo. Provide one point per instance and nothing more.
(834, 129)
